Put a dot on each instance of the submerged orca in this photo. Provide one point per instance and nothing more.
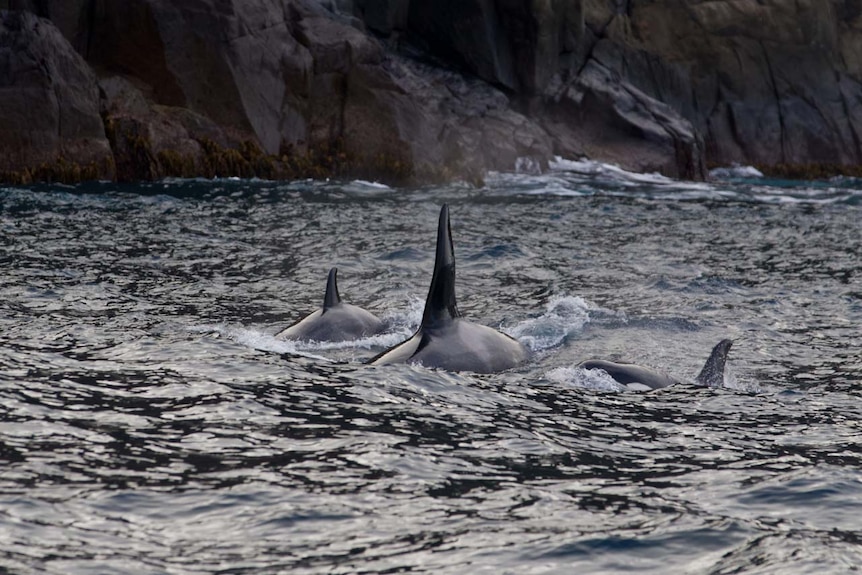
(335, 321)
(641, 378)
(444, 339)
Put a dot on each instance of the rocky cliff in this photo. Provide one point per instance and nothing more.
(417, 90)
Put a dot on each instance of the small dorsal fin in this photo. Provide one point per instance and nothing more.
(331, 298)
(712, 373)
(440, 305)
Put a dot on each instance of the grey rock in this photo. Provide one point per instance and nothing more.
(50, 103)
(433, 89)
(600, 115)
(515, 44)
(764, 81)
(383, 16)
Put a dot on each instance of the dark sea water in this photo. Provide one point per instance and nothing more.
(150, 422)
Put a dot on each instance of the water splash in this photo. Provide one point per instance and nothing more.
(256, 339)
(735, 171)
(734, 383)
(594, 379)
(609, 171)
(564, 316)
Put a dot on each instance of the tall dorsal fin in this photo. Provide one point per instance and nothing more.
(712, 373)
(331, 298)
(440, 305)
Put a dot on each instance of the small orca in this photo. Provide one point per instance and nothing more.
(640, 378)
(335, 321)
(444, 339)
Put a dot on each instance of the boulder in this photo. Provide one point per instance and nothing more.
(600, 115)
(299, 80)
(71, 17)
(51, 127)
(421, 89)
(430, 124)
(764, 81)
(274, 70)
(151, 141)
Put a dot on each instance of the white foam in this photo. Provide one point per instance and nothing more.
(364, 188)
(257, 340)
(368, 184)
(405, 321)
(595, 379)
(612, 171)
(526, 165)
(563, 316)
(735, 171)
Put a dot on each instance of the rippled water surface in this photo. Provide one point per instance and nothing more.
(150, 422)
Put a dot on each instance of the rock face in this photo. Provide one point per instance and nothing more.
(764, 81)
(49, 105)
(407, 90)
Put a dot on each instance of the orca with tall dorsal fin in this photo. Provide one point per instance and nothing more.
(335, 321)
(445, 340)
(640, 378)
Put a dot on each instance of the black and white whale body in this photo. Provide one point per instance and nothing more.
(445, 340)
(641, 378)
(335, 321)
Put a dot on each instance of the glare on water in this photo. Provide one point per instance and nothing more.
(153, 423)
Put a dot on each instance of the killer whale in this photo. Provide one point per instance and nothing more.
(334, 322)
(445, 340)
(641, 378)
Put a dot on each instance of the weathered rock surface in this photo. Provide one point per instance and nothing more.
(49, 105)
(425, 89)
(763, 81)
(665, 84)
(602, 116)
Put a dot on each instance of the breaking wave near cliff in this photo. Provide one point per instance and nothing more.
(580, 178)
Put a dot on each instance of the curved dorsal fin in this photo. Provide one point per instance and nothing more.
(331, 298)
(712, 373)
(440, 305)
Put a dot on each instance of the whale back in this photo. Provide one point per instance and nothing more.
(336, 321)
(444, 339)
(630, 375)
(461, 345)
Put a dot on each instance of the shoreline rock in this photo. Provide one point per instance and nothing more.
(49, 117)
(405, 91)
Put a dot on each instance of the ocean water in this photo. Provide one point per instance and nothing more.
(150, 422)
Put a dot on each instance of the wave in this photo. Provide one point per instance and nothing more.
(585, 178)
(563, 316)
(608, 171)
(735, 171)
(593, 379)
